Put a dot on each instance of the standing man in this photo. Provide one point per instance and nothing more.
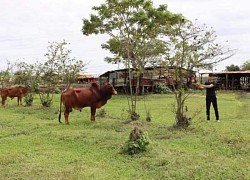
(211, 98)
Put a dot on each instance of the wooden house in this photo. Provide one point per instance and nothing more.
(148, 79)
(230, 80)
(87, 78)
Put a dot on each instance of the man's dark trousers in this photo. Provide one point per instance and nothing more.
(211, 99)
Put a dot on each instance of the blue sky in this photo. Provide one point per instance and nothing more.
(26, 27)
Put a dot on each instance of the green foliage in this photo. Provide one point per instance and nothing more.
(59, 66)
(57, 90)
(232, 67)
(246, 65)
(46, 99)
(35, 85)
(192, 47)
(24, 73)
(162, 89)
(4, 77)
(28, 99)
(138, 146)
(135, 28)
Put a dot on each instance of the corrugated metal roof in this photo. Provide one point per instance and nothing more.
(87, 76)
(228, 72)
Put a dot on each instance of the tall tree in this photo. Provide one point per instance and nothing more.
(134, 27)
(6, 75)
(192, 47)
(4, 78)
(58, 67)
(246, 65)
(24, 73)
(232, 67)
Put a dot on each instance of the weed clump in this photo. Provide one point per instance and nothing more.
(28, 99)
(101, 113)
(137, 143)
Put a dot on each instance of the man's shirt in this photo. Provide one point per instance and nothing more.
(210, 91)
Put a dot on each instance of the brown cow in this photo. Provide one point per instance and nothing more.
(94, 97)
(12, 92)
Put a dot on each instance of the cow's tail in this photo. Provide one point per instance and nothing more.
(60, 111)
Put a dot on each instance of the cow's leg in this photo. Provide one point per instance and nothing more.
(18, 100)
(66, 115)
(93, 110)
(3, 100)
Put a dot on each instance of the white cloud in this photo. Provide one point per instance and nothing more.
(229, 18)
(26, 27)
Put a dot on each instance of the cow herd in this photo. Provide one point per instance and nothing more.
(94, 97)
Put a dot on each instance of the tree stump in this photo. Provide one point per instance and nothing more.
(135, 133)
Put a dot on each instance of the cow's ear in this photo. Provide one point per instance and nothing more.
(94, 85)
(106, 83)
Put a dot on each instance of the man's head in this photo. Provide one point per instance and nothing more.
(211, 78)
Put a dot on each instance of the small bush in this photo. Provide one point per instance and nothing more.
(28, 99)
(46, 99)
(137, 142)
(57, 90)
(162, 89)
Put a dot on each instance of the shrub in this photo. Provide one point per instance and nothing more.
(46, 99)
(162, 89)
(137, 142)
(57, 90)
(28, 99)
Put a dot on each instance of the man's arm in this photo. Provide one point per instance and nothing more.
(203, 86)
(207, 86)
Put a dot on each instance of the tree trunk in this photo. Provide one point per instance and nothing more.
(133, 95)
(181, 120)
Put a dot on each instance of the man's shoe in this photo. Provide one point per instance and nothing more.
(217, 120)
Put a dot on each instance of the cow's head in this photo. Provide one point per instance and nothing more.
(27, 88)
(108, 90)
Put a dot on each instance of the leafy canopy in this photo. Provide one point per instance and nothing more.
(246, 65)
(193, 46)
(134, 26)
(232, 67)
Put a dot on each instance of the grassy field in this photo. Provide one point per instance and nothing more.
(33, 145)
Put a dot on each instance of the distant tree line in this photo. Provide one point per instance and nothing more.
(243, 67)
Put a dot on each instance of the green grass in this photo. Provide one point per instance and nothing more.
(33, 145)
